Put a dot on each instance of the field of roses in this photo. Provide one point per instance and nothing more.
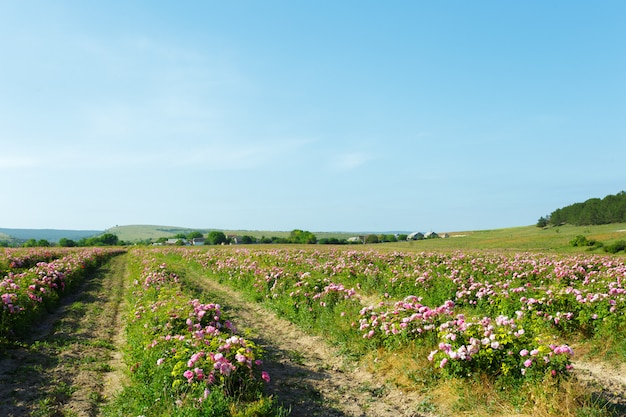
(33, 280)
(511, 320)
(509, 317)
(185, 356)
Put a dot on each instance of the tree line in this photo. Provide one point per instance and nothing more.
(107, 239)
(610, 209)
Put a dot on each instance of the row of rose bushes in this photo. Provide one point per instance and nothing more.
(495, 314)
(35, 279)
(12, 259)
(185, 356)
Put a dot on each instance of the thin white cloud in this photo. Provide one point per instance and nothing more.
(350, 161)
(18, 162)
(232, 155)
(144, 155)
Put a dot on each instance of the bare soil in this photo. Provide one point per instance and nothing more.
(606, 381)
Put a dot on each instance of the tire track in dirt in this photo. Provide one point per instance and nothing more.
(309, 376)
(61, 367)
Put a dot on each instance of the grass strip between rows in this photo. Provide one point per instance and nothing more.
(185, 357)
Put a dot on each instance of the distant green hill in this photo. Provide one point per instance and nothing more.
(142, 232)
(525, 238)
(136, 233)
(51, 235)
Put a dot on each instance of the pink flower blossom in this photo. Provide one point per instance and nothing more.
(265, 376)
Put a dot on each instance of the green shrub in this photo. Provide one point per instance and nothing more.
(618, 246)
(581, 241)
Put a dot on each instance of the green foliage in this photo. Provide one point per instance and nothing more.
(302, 236)
(67, 243)
(618, 246)
(372, 239)
(542, 222)
(30, 243)
(107, 239)
(610, 209)
(581, 241)
(216, 237)
(247, 239)
(332, 241)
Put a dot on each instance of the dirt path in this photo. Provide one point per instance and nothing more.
(308, 375)
(64, 367)
(608, 382)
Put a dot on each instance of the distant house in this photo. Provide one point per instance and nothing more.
(415, 236)
(197, 241)
(444, 235)
(431, 235)
(234, 239)
(356, 239)
(176, 241)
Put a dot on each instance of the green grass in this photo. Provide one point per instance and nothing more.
(135, 233)
(526, 238)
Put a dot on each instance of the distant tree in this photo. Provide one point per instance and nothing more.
(30, 243)
(371, 239)
(66, 243)
(557, 218)
(109, 239)
(216, 237)
(389, 238)
(302, 236)
(247, 239)
(193, 235)
(402, 237)
(43, 243)
(332, 241)
(610, 209)
(542, 222)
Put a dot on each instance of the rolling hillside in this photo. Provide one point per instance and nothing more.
(135, 233)
(51, 235)
(525, 238)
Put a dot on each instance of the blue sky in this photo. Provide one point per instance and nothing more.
(321, 115)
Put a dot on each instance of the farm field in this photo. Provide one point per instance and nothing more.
(311, 330)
